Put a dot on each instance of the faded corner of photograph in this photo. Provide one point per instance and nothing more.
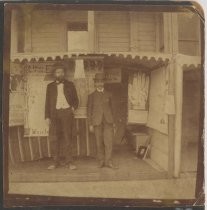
(105, 104)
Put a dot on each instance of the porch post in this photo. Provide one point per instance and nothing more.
(27, 12)
(91, 31)
(171, 46)
(171, 122)
(133, 31)
(14, 31)
(178, 116)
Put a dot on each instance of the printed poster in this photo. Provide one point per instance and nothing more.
(157, 117)
(16, 108)
(38, 77)
(35, 124)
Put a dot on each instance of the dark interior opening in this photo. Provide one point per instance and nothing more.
(190, 120)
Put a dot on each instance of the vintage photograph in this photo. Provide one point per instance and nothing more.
(104, 102)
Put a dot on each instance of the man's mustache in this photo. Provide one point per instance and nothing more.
(59, 77)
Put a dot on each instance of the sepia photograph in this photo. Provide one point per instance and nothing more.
(103, 102)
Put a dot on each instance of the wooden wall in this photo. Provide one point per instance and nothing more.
(157, 118)
(191, 107)
(189, 37)
(49, 29)
(159, 148)
(124, 31)
(112, 29)
(145, 31)
(46, 31)
(34, 148)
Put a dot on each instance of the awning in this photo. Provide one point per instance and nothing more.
(147, 60)
(62, 55)
(188, 62)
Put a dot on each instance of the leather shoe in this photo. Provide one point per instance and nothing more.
(72, 167)
(112, 166)
(52, 167)
(101, 164)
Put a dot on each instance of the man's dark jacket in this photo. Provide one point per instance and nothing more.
(51, 97)
(99, 105)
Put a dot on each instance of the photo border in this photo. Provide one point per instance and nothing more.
(11, 200)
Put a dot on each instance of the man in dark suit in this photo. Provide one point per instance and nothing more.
(61, 101)
(100, 118)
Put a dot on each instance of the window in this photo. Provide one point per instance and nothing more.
(77, 33)
(188, 33)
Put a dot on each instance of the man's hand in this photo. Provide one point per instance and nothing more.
(48, 121)
(91, 128)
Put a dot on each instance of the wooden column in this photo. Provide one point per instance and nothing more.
(78, 137)
(171, 47)
(19, 136)
(167, 26)
(158, 22)
(178, 92)
(178, 116)
(174, 23)
(133, 31)
(91, 31)
(49, 147)
(27, 13)
(14, 32)
(87, 139)
(170, 25)
(171, 123)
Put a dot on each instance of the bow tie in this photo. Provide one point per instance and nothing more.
(100, 90)
(59, 82)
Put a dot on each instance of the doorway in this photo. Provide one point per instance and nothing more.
(119, 93)
(190, 120)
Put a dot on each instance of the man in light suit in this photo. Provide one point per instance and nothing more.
(61, 101)
(100, 118)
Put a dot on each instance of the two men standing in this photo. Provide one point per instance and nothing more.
(61, 101)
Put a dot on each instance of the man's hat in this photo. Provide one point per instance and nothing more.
(58, 66)
(99, 77)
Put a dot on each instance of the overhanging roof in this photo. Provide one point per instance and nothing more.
(148, 60)
(188, 62)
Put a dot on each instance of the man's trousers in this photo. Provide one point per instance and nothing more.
(104, 141)
(61, 131)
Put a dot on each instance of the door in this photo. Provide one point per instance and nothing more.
(191, 120)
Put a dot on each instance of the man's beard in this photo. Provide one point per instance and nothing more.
(59, 78)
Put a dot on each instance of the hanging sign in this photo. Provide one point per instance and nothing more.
(113, 75)
(16, 95)
(39, 75)
(16, 108)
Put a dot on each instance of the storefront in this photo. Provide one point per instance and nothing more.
(147, 102)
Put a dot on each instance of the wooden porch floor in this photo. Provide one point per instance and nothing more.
(130, 168)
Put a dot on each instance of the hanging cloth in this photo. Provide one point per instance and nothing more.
(79, 69)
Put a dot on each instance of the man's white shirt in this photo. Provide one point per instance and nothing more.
(61, 100)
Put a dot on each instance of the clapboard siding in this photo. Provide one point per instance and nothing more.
(146, 31)
(159, 148)
(46, 31)
(49, 33)
(113, 31)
